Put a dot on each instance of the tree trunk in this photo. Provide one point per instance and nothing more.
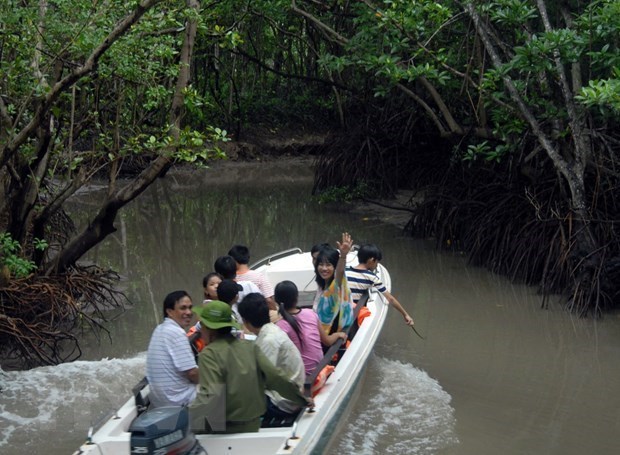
(103, 223)
(570, 164)
(25, 194)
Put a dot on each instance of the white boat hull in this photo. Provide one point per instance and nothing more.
(314, 428)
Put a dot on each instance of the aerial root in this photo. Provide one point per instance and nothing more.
(39, 315)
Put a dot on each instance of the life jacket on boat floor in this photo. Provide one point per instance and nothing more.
(319, 382)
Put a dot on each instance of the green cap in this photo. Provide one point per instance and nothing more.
(215, 315)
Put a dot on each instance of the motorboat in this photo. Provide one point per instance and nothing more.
(308, 432)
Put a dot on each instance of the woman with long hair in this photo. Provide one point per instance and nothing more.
(302, 326)
(333, 302)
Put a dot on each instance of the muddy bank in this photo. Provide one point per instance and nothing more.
(396, 211)
(287, 154)
(275, 143)
(288, 168)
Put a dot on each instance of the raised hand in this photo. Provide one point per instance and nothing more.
(345, 245)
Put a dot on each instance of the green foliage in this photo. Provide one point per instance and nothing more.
(344, 194)
(537, 53)
(486, 152)
(40, 244)
(602, 94)
(384, 44)
(243, 91)
(193, 146)
(399, 42)
(10, 257)
(128, 97)
(196, 104)
(510, 13)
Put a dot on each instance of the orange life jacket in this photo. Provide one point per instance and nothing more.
(195, 339)
(319, 382)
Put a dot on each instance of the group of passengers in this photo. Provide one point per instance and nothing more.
(242, 382)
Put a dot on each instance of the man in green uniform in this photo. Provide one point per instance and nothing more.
(234, 375)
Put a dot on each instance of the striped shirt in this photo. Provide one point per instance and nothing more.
(361, 280)
(168, 358)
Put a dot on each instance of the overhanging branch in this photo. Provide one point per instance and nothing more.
(260, 63)
(62, 85)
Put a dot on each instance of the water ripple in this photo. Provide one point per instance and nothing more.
(407, 412)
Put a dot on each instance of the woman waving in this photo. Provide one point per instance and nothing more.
(333, 303)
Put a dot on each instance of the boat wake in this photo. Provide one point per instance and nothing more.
(407, 412)
(59, 403)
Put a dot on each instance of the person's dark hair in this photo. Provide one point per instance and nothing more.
(227, 290)
(318, 247)
(240, 253)
(369, 251)
(208, 276)
(286, 296)
(226, 266)
(171, 300)
(330, 255)
(223, 331)
(254, 309)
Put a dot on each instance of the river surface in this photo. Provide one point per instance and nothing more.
(495, 374)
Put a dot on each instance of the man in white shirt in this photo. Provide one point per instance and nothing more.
(170, 364)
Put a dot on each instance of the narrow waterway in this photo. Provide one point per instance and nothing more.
(495, 374)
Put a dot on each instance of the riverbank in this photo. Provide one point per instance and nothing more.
(290, 147)
(395, 211)
(275, 143)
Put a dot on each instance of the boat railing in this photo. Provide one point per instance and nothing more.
(334, 348)
(267, 259)
(140, 396)
(293, 435)
(98, 425)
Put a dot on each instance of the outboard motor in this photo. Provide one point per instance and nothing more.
(164, 431)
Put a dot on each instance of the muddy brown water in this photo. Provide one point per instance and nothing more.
(496, 374)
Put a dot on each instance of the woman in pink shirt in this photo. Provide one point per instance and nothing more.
(302, 326)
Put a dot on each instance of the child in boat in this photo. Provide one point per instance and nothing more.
(302, 326)
(228, 292)
(314, 251)
(333, 301)
(278, 348)
(209, 285)
(363, 277)
(241, 255)
(233, 377)
(227, 268)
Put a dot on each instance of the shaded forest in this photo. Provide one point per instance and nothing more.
(501, 115)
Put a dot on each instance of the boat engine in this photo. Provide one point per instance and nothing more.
(162, 431)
